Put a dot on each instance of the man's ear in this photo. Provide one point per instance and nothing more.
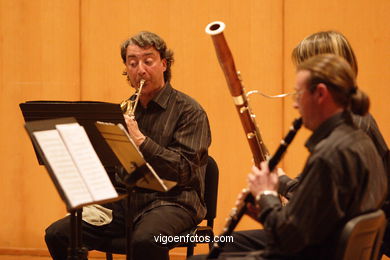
(322, 92)
(164, 63)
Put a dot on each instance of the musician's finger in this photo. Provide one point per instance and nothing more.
(274, 177)
(264, 166)
(241, 194)
(280, 172)
(251, 178)
(255, 170)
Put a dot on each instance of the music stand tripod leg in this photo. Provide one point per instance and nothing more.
(129, 224)
(76, 251)
(72, 255)
(82, 252)
(130, 182)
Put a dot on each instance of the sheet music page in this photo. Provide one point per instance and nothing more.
(152, 181)
(87, 161)
(63, 167)
(128, 154)
(122, 145)
(152, 178)
(121, 127)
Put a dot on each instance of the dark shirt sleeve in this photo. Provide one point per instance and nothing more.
(287, 186)
(379, 143)
(302, 220)
(187, 150)
(368, 124)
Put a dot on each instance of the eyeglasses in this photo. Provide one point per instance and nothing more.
(297, 95)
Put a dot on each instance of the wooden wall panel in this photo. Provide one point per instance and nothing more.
(254, 35)
(365, 25)
(39, 60)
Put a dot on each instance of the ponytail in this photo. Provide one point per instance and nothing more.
(360, 102)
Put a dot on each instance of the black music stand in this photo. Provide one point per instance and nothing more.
(75, 251)
(86, 113)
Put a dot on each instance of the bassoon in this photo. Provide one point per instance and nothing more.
(256, 144)
(225, 58)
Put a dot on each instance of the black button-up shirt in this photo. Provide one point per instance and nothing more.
(177, 139)
(342, 178)
(367, 123)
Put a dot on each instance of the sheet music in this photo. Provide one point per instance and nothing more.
(122, 145)
(152, 181)
(87, 161)
(63, 167)
(128, 154)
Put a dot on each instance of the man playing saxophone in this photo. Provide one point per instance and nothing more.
(172, 131)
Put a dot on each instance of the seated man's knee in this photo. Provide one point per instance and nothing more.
(143, 240)
(57, 232)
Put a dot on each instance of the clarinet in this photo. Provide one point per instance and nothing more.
(239, 211)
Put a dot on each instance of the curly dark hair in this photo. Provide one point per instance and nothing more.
(146, 39)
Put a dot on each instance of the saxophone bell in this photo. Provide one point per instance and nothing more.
(128, 106)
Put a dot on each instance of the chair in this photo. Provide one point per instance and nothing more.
(361, 237)
(118, 245)
(210, 197)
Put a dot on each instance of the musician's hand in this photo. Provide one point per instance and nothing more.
(251, 210)
(261, 180)
(280, 172)
(134, 131)
(284, 200)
